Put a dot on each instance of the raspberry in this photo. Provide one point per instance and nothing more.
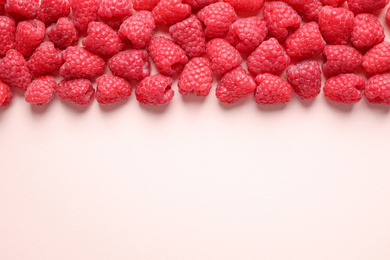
(198, 4)
(63, 34)
(45, 59)
(333, 3)
(246, 5)
(190, 36)
(377, 90)
(169, 12)
(29, 34)
(217, 17)
(114, 12)
(155, 90)
(131, 64)
(340, 59)
(309, 9)
(247, 34)
(223, 56)
(196, 77)
(344, 88)
(41, 90)
(77, 91)
(377, 60)
(14, 70)
(269, 57)
(305, 42)
(112, 89)
(145, 4)
(168, 57)
(335, 24)
(5, 94)
(281, 19)
(84, 12)
(7, 34)
(271, 90)
(102, 39)
(138, 29)
(21, 9)
(80, 63)
(51, 10)
(305, 78)
(366, 6)
(367, 31)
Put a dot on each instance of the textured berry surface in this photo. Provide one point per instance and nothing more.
(305, 78)
(84, 12)
(198, 4)
(63, 34)
(246, 5)
(366, 6)
(102, 39)
(131, 64)
(377, 59)
(223, 56)
(333, 3)
(217, 17)
(196, 77)
(51, 10)
(272, 90)
(367, 31)
(41, 90)
(46, 59)
(169, 12)
(112, 89)
(341, 59)
(138, 29)
(155, 90)
(269, 57)
(14, 70)
(7, 34)
(29, 34)
(247, 34)
(113, 10)
(145, 4)
(377, 89)
(309, 9)
(76, 91)
(344, 88)
(5, 94)
(168, 57)
(22, 8)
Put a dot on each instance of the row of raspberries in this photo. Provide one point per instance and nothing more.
(40, 41)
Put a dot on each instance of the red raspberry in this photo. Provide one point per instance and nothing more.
(333, 3)
(366, 6)
(138, 29)
(377, 60)
(29, 34)
(340, 59)
(41, 90)
(22, 8)
(168, 57)
(80, 63)
(196, 77)
(281, 19)
(309, 9)
(169, 12)
(77, 91)
(269, 57)
(271, 90)
(51, 10)
(305, 78)
(5, 94)
(223, 56)
(14, 70)
(46, 59)
(217, 17)
(305, 42)
(145, 4)
(377, 90)
(7, 34)
(155, 90)
(335, 24)
(131, 64)
(247, 34)
(112, 89)
(367, 31)
(114, 12)
(2, 6)
(198, 4)
(344, 88)
(84, 12)
(102, 39)
(63, 34)
(246, 5)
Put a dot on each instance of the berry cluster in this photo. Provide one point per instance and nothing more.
(40, 39)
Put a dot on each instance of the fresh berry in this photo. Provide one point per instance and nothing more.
(51, 10)
(246, 5)
(366, 6)
(305, 78)
(247, 34)
(269, 57)
(344, 88)
(7, 34)
(76, 91)
(217, 17)
(5, 94)
(112, 89)
(367, 31)
(41, 90)
(84, 12)
(377, 59)
(168, 57)
(377, 90)
(223, 56)
(196, 77)
(155, 90)
(80, 63)
(138, 29)
(198, 4)
(333, 3)
(14, 70)
(148, 5)
(169, 12)
(272, 90)
(63, 34)
(102, 39)
(131, 64)
(46, 59)
(309, 9)
(114, 12)
(22, 8)
(29, 34)
(341, 59)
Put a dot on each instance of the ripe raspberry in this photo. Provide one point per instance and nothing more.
(112, 89)
(138, 29)
(22, 8)
(247, 34)
(309, 9)
(148, 5)
(344, 88)
(223, 56)
(217, 17)
(14, 70)
(7, 34)
(77, 91)
(114, 12)
(377, 60)
(281, 19)
(41, 90)
(305, 78)
(367, 31)
(29, 34)
(305, 42)
(5, 94)
(80, 63)
(269, 57)
(155, 90)
(366, 6)
(271, 90)
(169, 12)
(45, 60)
(102, 39)
(196, 77)
(335, 24)
(63, 34)
(84, 12)
(246, 5)
(333, 3)
(189, 35)
(340, 59)
(168, 57)
(131, 64)
(377, 90)
(198, 4)
(51, 10)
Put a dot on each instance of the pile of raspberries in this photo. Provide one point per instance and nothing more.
(281, 45)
